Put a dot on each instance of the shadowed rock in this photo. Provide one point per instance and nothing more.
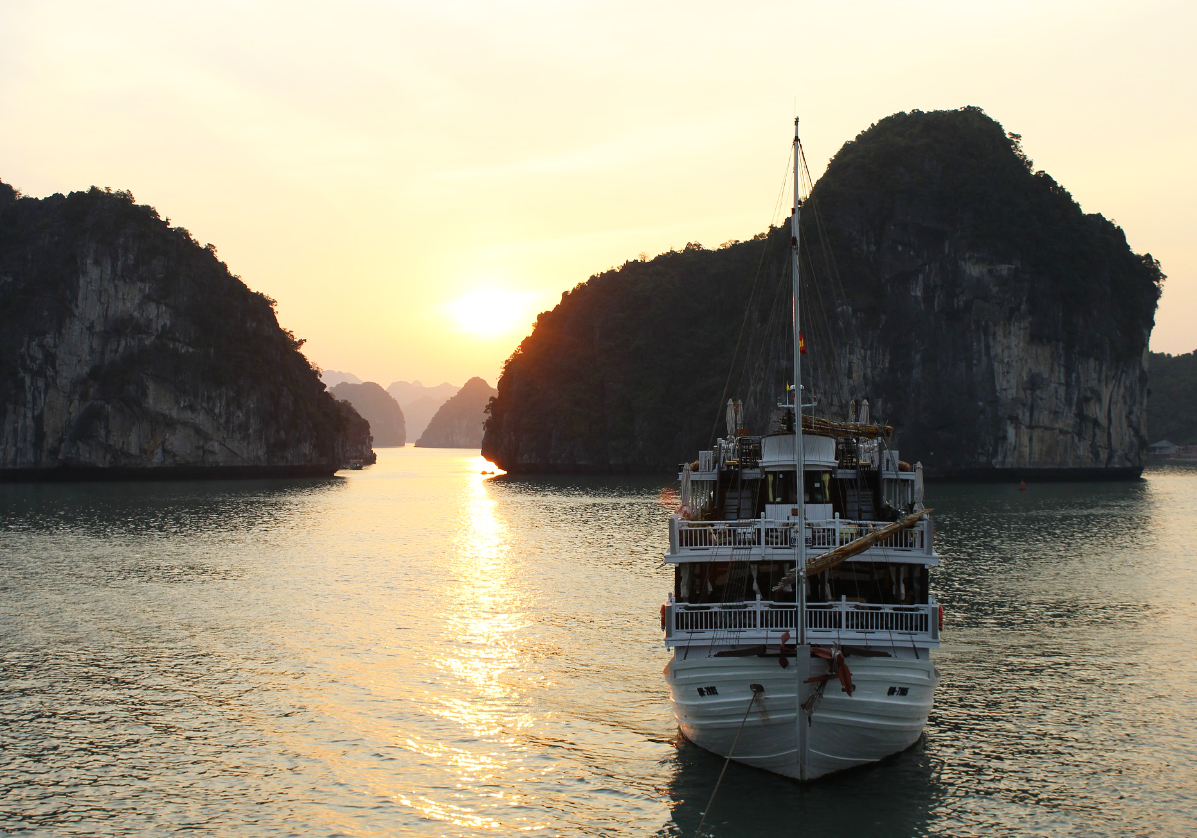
(998, 327)
(128, 350)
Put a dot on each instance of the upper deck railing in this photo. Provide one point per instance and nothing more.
(761, 539)
(763, 623)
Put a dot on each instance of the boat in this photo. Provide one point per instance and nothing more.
(802, 623)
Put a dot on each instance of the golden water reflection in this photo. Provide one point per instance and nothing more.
(480, 668)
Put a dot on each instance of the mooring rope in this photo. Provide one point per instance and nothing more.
(757, 689)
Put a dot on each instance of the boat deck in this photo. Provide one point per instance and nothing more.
(763, 623)
(761, 539)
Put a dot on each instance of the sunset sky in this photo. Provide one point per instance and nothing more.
(413, 182)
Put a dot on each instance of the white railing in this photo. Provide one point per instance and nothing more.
(763, 622)
(766, 535)
(824, 535)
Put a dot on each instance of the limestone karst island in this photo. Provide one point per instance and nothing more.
(972, 302)
(128, 350)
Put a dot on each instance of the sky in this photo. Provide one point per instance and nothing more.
(414, 182)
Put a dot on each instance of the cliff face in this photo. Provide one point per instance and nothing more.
(376, 406)
(998, 327)
(128, 349)
(458, 422)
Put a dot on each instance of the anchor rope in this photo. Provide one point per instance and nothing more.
(726, 762)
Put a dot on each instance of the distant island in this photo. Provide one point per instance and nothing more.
(127, 349)
(420, 402)
(1172, 400)
(999, 328)
(332, 378)
(376, 406)
(459, 421)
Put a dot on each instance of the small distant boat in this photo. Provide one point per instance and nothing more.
(354, 465)
(801, 618)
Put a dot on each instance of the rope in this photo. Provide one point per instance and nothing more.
(748, 308)
(757, 689)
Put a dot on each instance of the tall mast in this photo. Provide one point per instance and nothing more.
(799, 459)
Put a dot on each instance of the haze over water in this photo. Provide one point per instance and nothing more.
(415, 649)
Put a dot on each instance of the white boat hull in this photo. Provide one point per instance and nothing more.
(885, 714)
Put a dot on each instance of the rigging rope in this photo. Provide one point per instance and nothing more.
(757, 689)
(748, 306)
(835, 280)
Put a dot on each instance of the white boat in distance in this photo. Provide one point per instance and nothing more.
(801, 619)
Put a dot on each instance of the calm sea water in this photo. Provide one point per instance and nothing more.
(415, 649)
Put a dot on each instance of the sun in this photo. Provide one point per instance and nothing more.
(491, 313)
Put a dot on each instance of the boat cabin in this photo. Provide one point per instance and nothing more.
(733, 541)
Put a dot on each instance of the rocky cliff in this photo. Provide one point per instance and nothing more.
(458, 422)
(376, 406)
(127, 349)
(967, 296)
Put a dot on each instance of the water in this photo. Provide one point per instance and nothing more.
(414, 649)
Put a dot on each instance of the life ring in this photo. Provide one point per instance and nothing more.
(940, 617)
(663, 617)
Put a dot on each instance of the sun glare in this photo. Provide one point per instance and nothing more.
(490, 313)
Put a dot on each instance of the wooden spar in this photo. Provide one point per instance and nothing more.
(828, 560)
(835, 556)
(827, 427)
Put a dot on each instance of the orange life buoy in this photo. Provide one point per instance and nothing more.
(663, 617)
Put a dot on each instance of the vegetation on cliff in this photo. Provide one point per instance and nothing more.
(626, 372)
(959, 170)
(124, 343)
(1172, 401)
(458, 423)
(928, 237)
(376, 406)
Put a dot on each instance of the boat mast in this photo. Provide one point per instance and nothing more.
(800, 541)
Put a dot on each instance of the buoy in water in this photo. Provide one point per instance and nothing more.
(1022, 487)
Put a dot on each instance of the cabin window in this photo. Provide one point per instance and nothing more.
(818, 487)
(779, 487)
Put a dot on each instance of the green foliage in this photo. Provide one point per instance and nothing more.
(1172, 398)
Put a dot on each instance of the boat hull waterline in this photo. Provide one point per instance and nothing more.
(885, 714)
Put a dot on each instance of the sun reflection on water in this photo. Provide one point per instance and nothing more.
(481, 669)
